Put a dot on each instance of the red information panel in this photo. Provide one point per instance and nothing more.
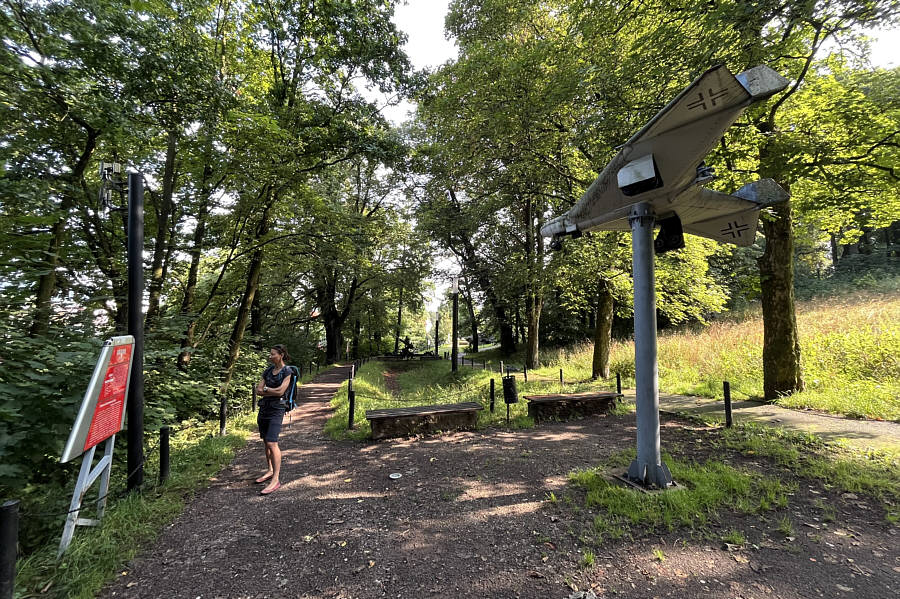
(107, 418)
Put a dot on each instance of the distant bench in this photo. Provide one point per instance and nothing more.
(401, 422)
(562, 406)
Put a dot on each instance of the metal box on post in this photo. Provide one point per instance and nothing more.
(510, 395)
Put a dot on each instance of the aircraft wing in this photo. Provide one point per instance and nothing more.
(713, 214)
(659, 163)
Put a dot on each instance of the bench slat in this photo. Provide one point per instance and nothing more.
(572, 396)
(468, 406)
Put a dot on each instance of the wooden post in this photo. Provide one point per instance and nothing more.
(492, 396)
(726, 388)
(351, 396)
(560, 376)
(163, 454)
(9, 542)
(525, 372)
(618, 383)
(253, 400)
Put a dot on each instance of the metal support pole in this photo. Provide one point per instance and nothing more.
(492, 396)
(163, 454)
(560, 377)
(135, 409)
(455, 349)
(618, 383)
(253, 399)
(648, 468)
(726, 388)
(525, 372)
(9, 542)
(351, 397)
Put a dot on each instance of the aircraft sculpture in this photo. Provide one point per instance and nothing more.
(656, 178)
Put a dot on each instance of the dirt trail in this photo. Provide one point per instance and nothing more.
(469, 517)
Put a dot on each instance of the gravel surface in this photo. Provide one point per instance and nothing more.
(469, 517)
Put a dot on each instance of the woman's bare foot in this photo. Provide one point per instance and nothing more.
(271, 488)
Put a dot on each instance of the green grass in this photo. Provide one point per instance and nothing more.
(428, 383)
(97, 555)
(708, 489)
(874, 474)
(850, 352)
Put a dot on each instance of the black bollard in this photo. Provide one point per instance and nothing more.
(351, 396)
(560, 376)
(9, 541)
(726, 388)
(163, 454)
(492, 396)
(618, 383)
(525, 372)
(253, 399)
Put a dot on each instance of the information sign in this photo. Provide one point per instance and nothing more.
(102, 412)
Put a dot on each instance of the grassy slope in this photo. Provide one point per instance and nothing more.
(849, 346)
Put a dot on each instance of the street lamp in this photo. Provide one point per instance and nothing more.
(454, 357)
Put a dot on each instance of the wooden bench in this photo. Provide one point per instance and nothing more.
(402, 422)
(562, 406)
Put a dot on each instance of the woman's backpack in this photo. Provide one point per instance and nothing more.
(289, 400)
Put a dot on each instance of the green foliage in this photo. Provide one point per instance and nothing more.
(130, 523)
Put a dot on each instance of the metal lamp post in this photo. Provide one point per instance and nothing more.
(454, 357)
(135, 405)
(110, 180)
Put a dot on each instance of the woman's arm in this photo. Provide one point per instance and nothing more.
(259, 386)
(281, 389)
(275, 391)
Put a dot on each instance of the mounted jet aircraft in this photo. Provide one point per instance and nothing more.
(655, 179)
(662, 165)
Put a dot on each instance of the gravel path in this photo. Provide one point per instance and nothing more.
(470, 517)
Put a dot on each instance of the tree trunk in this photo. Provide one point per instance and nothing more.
(357, 327)
(187, 302)
(243, 314)
(332, 318)
(437, 336)
(602, 332)
(473, 323)
(534, 257)
(46, 286)
(835, 248)
(782, 373)
(399, 321)
(256, 321)
(462, 246)
(163, 213)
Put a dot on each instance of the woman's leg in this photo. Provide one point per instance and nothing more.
(274, 452)
(262, 423)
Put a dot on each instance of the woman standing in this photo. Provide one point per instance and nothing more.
(272, 387)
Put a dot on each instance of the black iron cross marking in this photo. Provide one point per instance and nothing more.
(734, 229)
(712, 96)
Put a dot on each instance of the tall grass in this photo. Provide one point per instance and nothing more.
(850, 348)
